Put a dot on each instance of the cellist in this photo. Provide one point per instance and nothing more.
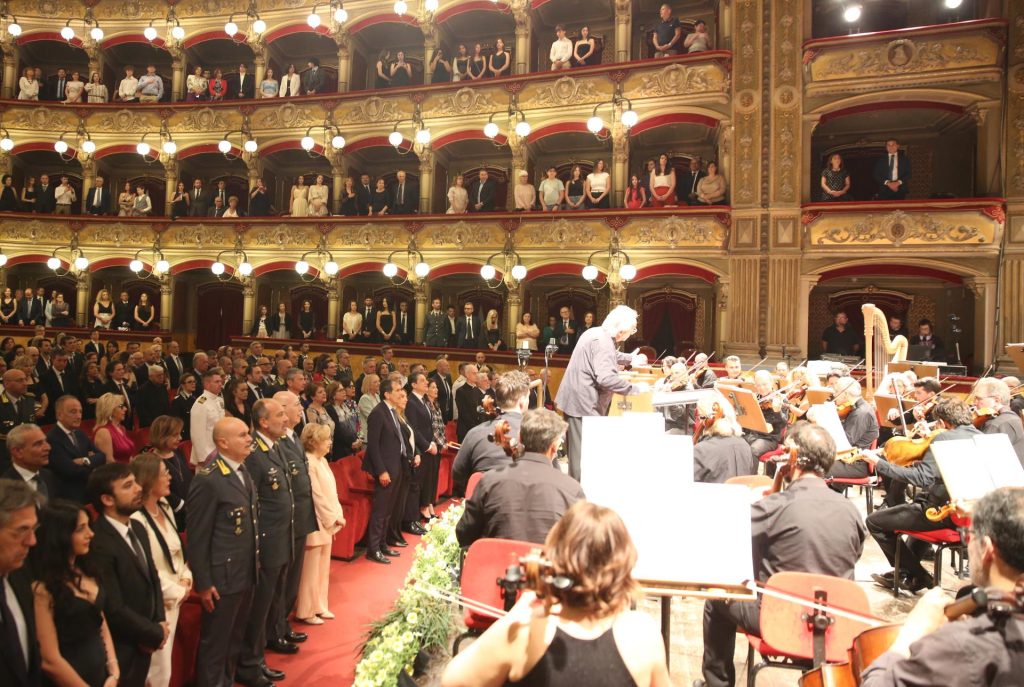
(955, 417)
(980, 650)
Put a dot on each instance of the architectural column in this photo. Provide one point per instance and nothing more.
(623, 30)
(252, 168)
(342, 38)
(88, 176)
(620, 164)
(521, 56)
(514, 312)
(429, 29)
(724, 147)
(83, 282)
(783, 322)
(426, 180)
(420, 292)
(95, 59)
(248, 305)
(744, 305)
(520, 162)
(170, 182)
(338, 171)
(984, 290)
(6, 164)
(808, 191)
(803, 309)
(1011, 276)
(1011, 315)
(724, 26)
(178, 78)
(333, 314)
(721, 316)
(10, 72)
(166, 302)
(987, 166)
(260, 67)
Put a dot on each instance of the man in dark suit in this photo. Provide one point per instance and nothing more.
(994, 395)
(45, 200)
(30, 310)
(368, 333)
(389, 458)
(118, 383)
(926, 337)
(892, 172)
(259, 200)
(218, 208)
(174, 364)
(73, 456)
(313, 79)
(30, 454)
(270, 473)
(152, 397)
(404, 327)
(364, 195)
(55, 87)
(199, 200)
(243, 84)
(453, 324)
(97, 200)
(223, 538)
(123, 313)
(134, 608)
(468, 398)
(442, 374)
(222, 193)
(20, 663)
(525, 499)
(468, 329)
(565, 332)
(94, 345)
(481, 196)
(57, 382)
(423, 486)
(686, 187)
(478, 452)
(405, 197)
(17, 407)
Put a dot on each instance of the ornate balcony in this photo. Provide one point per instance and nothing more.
(966, 53)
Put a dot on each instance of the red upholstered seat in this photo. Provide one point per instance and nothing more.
(486, 561)
(948, 536)
(942, 539)
(444, 474)
(356, 507)
(771, 455)
(474, 480)
(140, 437)
(186, 643)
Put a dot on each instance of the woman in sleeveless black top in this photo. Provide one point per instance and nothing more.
(440, 67)
(591, 638)
(73, 636)
(477, 63)
(499, 60)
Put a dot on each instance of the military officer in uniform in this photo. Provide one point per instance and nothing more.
(281, 634)
(17, 407)
(435, 329)
(271, 475)
(223, 545)
(206, 412)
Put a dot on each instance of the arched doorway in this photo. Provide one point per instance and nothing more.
(218, 313)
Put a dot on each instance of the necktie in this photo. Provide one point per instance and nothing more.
(177, 363)
(403, 323)
(398, 428)
(244, 474)
(892, 166)
(401, 193)
(10, 630)
(124, 393)
(60, 380)
(74, 441)
(137, 548)
(479, 192)
(40, 485)
(99, 196)
(469, 326)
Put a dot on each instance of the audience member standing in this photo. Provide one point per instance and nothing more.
(440, 67)
(560, 54)
(500, 62)
(698, 41)
(64, 196)
(468, 398)
(291, 83)
(400, 71)
(423, 487)
(206, 413)
(45, 199)
(313, 82)
(458, 197)
(110, 435)
(686, 188)
(28, 87)
(383, 69)
(668, 33)
(405, 196)
(482, 194)
(127, 90)
(597, 187)
(199, 200)
(20, 664)
(468, 329)
(892, 172)
(583, 50)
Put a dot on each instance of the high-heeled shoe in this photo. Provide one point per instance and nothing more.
(326, 615)
(311, 621)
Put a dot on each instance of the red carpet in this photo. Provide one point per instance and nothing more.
(361, 592)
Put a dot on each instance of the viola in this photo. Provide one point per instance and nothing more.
(904, 451)
(501, 435)
(488, 407)
(784, 472)
(703, 423)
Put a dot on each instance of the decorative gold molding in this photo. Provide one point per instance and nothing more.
(462, 234)
(465, 101)
(565, 91)
(674, 232)
(123, 121)
(900, 228)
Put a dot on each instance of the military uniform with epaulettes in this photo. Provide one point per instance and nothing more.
(12, 414)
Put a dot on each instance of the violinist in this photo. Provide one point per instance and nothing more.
(524, 499)
(926, 390)
(860, 426)
(1016, 394)
(992, 397)
(799, 381)
(953, 416)
(789, 534)
(733, 367)
(678, 419)
(478, 454)
(701, 375)
(721, 453)
(771, 407)
(980, 650)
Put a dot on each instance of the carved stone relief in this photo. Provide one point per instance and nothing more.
(565, 91)
(204, 119)
(899, 227)
(122, 121)
(281, 236)
(367, 236)
(285, 116)
(41, 119)
(560, 233)
(460, 234)
(118, 235)
(201, 236)
(373, 109)
(676, 231)
(463, 102)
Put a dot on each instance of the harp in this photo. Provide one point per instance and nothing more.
(879, 348)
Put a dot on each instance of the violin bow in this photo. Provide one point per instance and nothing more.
(837, 611)
(759, 363)
(970, 396)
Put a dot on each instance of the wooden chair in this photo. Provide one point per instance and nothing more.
(485, 562)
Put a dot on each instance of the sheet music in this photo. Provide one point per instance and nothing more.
(973, 467)
(660, 476)
(826, 415)
(678, 398)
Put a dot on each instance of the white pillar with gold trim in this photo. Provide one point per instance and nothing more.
(83, 282)
(521, 14)
(426, 180)
(338, 171)
(166, 301)
(984, 290)
(10, 72)
(333, 314)
(420, 291)
(344, 42)
(721, 315)
(248, 305)
(803, 307)
(623, 29)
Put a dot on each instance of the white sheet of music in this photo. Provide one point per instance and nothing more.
(973, 467)
(826, 415)
(631, 466)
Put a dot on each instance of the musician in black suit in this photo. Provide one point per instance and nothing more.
(405, 196)
(389, 458)
(468, 329)
(134, 607)
(478, 453)
(481, 195)
(30, 454)
(199, 200)
(46, 201)
(892, 172)
(242, 84)
(424, 478)
(566, 332)
(73, 456)
(468, 399)
(20, 664)
(364, 195)
(445, 401)
(97, 200)
(58, 381)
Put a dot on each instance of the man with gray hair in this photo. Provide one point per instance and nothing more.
(17, 406)
(30, 454)
(993, 395)
(525, 499)
(592, 376)
(152, 397)
(20, 663)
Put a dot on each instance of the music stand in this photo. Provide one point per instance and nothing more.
(921, 369)
(885, 403)
(1016, 353)
(748, 410)
(819, 394)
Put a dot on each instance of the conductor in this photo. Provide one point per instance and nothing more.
(592, 376)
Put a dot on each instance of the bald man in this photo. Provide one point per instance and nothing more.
(17, 407)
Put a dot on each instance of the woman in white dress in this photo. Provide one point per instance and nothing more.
(28, 86)
(458, 197)
(352, 322)
(300, 198)
(96, 90)
(318, 197)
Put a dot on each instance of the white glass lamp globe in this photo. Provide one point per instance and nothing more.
(3, 259)
(953, 4)
(89, 146)
(162, 266)
(313, 20)
(302, 267)
(150, 33)
(488, 272)
(430, 5)
(81, 262)
(259, 26)
(423, 136)
(590, 272)
(630, 118)
(14, 29)
(627, 272)
(851, 13)
(490, 129)
(6, 144)
(231, 28)
(143, 148)
(401, 7)
(251, 145)
(519, 272)
(331, 268)
(170, 147)
(96, 33)
(523, 129)
(67, 33)
(338, 142)
(245, 269)
(307, 143)
(341, 15)
(422, 269)
(177, 33)
(390, 270)
(61, 147)
(53, 263)
(224, 146)
(135, 265)
(217, 268)
(395, 138)
(595, 124)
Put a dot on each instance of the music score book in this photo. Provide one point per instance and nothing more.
(973, 467)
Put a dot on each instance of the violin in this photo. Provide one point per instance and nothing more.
(784, 472)
(703, 423)
(982, 415)
(501, 435)
(488, 407)
(844, 409)
(536, 573)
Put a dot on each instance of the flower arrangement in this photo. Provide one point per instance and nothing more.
(417, 620)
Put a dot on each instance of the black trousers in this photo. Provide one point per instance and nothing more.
(134, 664)
(760, 445)
(882, 524)
(269, 591)
(721, 621)
(220, 639)
(430, 466)
(386, 512)
(411, 506)
(854, 470)
(574, 446)
(277, 623)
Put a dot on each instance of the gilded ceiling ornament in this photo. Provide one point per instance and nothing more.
(284, 116)
(122, 120)
(372, 109)
(281, 236)
(118, 235)
(460, 234)
(565, 91)
(41, 119)
(53, 8)
(367, 236)
(675, 79)
(201, 235)
(897, 228)
(205, 119)
(464, 101)
(560, 232)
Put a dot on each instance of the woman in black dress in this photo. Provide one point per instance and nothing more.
(583, 51)
(835, 180)
(401, 71)
(92, 387)
(385, 321)
(28, 195)
(440, 68)
(460, 65)
(236, 401)
(143, 314)
(179, 204)
(379, 199)
(74, 639)
(349, 200)
(307, 321)
(500, 61)
(477, 63)
(8, 196)
(8, 309)
(575, 196)
(383, 69)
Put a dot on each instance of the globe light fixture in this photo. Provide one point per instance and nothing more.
(67, 33)
(630, 118)
(390, 270)
(331, 268)
(53, 263)
(395, 138)
(590, 272)
(6, 142)
(401, 7)
(488, 271)
(89, 146)
(627, 272)
(14, 28)
(170, 147)
(236, 258)
(519, 272)
(150, 33)
(341, 15)
(307, 143)
(851, 13)
(414, 265)
(313, 20)
(523, 129)
(135, 265)
(953, 4)
(217, 268)
(231, 28)
(302, 267)
(245, 269)
(620, 270)
(595, 124)
(338, 142)
(490, 129)
(430, 5)
(422, 269)
(162, 267)
(3, 258)
(423, 136)
(178, 33)
(81, 262)
(143, 149)
(61, 147)
(224, 146)
(96, 33)
(512, 269)
(259, 26)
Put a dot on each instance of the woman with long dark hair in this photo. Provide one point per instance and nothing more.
(74, 640)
